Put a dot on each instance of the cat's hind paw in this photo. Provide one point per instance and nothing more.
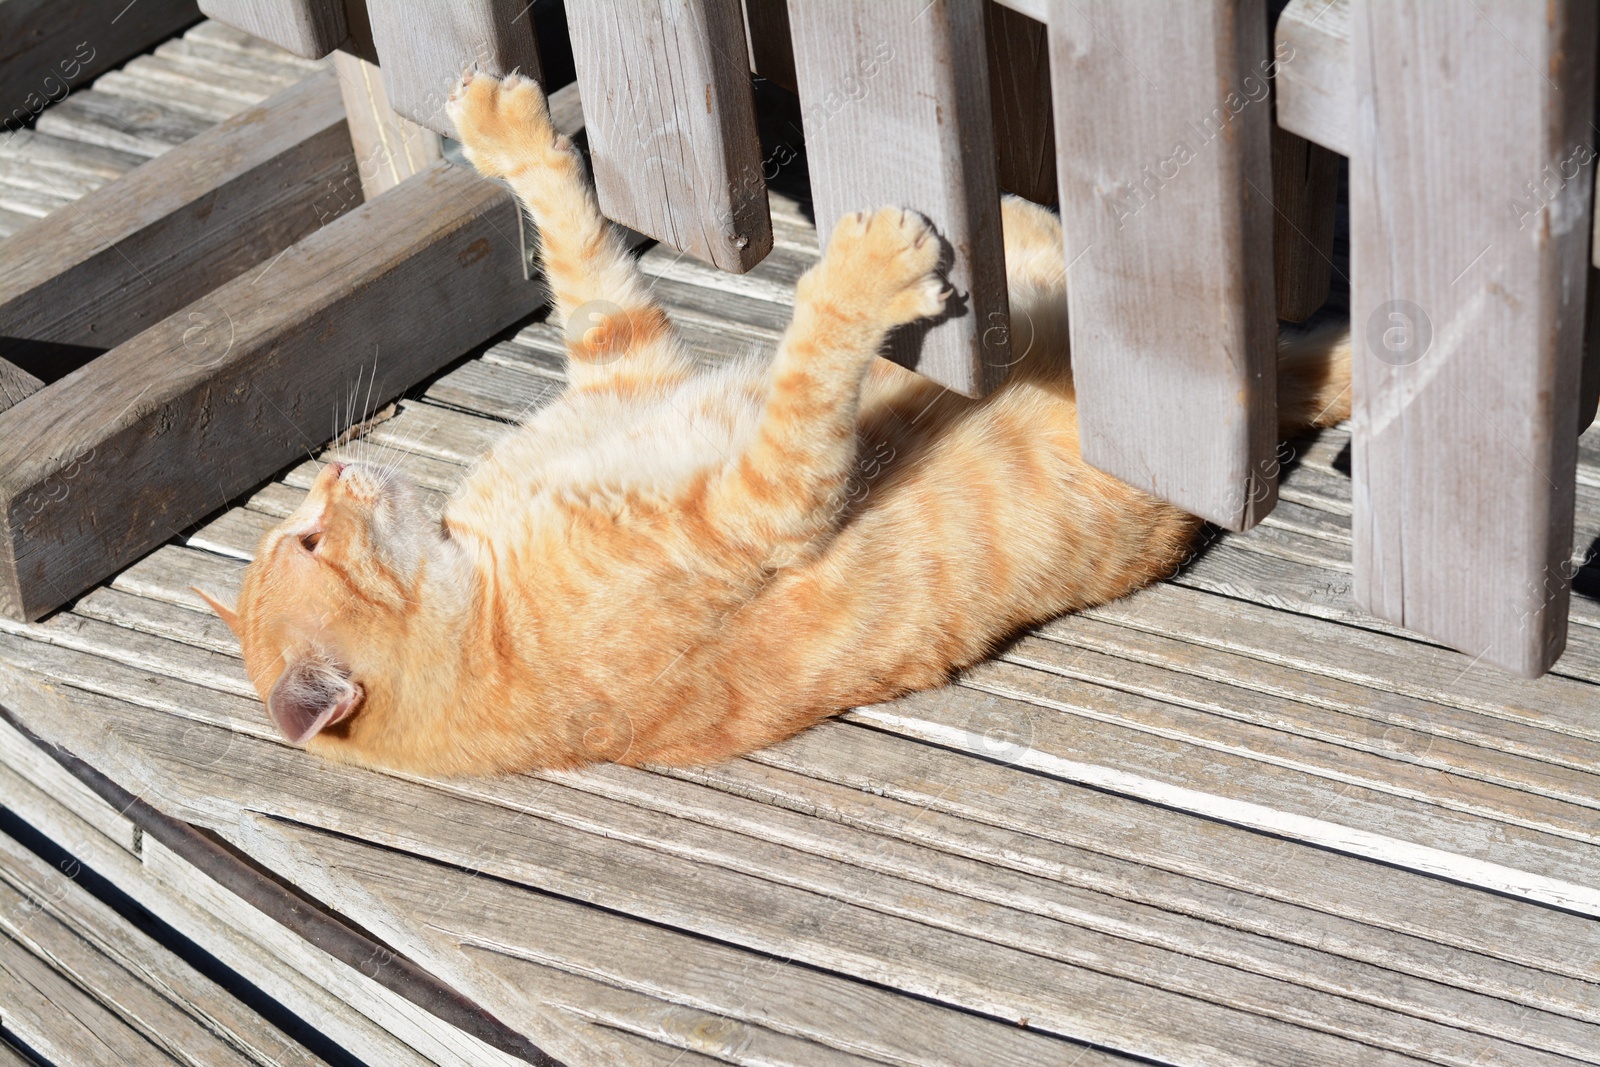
(889, 257)
(503, 123)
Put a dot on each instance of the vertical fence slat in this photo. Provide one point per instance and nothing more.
(308, 28)
(1305, 191)
(766, 25)
(1469, 235)
(671, 124)
(1162, 134)
(1019, 92)
(895, 99)
(423, 48)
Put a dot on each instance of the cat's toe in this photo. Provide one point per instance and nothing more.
(503, 123)
(894, 254)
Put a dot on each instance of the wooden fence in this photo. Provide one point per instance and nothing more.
(1193, 150)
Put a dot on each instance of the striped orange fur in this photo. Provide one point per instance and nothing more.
(675, 565)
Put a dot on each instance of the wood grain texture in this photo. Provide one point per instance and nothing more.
(164, 234)
(307, 28)
(1468, 307)
(339, 1001)
(120, 459)
(47, 47)
(423, 48)
(16, 385)
(766, 24)
(1315, 92)
(896, 105)
(672, 125)
(1019, 95)
(1305, 189)
(183, 1014)
(388, 148)
(1166, 182)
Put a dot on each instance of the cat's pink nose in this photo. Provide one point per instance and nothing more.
(334, 470)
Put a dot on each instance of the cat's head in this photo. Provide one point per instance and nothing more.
(329, 606)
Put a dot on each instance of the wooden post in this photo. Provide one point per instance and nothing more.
(1305, 191)
(1469, 227)
(1162, 134)
(388, 148)
(672, 125)
(102, 466)
(1019, 93)
(424, 47)
(895, 98)
(138, 249)
(766, 24)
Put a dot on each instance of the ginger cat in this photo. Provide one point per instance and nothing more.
(674, 565)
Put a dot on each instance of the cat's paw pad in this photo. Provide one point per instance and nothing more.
(892, 257)
(503, 123)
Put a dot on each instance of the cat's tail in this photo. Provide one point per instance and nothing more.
(1313, 377)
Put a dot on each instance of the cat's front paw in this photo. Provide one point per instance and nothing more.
(889, 258)
(503, 123)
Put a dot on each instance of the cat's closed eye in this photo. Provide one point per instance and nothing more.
(311, 540)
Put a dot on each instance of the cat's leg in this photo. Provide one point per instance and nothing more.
(788, 484)
(617, 336)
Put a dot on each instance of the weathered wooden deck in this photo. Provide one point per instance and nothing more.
(1231, 819)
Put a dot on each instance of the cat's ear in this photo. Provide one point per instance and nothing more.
(225, 613)
(310, 695)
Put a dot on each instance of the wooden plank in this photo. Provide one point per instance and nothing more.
(1314, 92)
(897, 110)
(1449, 277)
(724, 815)
(265, 348)
(49, 47)
(424, 48)
(121, 124)
(62, 1022)
(1305, 181)
(176, 1009)
(337, 1000)
(1111, 831)
(307, 28)
(672, 125)
(766, 24)
(822, 1009)
(1166, 175)
(975, 975)
(389, 148)
(782, 867)
(1019, 94)
(163, 235)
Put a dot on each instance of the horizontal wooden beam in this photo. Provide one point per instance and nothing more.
(107, 463)
(49, 46)
(1315, 93)
(137, 249)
